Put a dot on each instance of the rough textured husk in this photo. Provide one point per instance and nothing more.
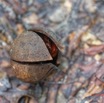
(29, 47)
(32, 72)
(49, 33)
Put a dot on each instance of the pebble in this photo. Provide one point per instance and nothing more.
(31, 18)
(58, 15)
(4, 82)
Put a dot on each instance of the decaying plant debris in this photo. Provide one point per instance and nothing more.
(80, 25)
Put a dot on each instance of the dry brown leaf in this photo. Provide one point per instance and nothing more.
(93, 50)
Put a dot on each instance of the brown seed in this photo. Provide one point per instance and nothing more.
(34, 54)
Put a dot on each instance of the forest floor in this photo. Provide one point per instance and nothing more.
(80, 25)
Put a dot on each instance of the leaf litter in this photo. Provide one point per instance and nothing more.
(81, 78)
